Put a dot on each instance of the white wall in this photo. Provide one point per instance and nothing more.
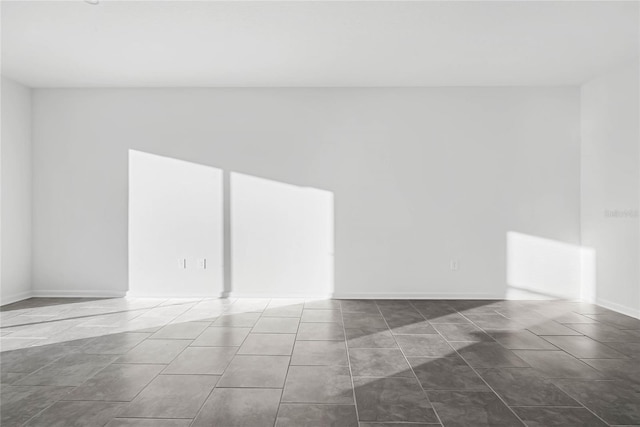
(418, 176)
(282, 238)
(175, 227)
(15, 192)
(610, 185)
(539, 268)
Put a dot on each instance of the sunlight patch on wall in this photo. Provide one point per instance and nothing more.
(544, 268)
(175, 213)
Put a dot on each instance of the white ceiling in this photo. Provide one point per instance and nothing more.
(184, 43)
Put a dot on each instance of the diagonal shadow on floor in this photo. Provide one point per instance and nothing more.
(327, 362)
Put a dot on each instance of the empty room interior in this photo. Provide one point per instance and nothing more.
(320, 213)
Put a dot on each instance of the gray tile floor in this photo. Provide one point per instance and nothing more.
(225, 362)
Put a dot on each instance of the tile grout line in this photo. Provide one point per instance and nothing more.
(167, 365)
(78, 350)
(110, 364)
(346, 346)
(275, 421)
(193, 420)
(583, 335)
(499, 397)
(73, 388)
(480, 376)
(426, 395)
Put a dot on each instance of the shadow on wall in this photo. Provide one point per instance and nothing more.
(544, 268)
(199, 231)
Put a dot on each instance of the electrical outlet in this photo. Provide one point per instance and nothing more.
(454, 265)
(202, 263)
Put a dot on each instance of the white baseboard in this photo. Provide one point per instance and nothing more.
(42, 293)
(412, 295)
(9, 299)
(278, 295)
(172, 296)
(618, 307)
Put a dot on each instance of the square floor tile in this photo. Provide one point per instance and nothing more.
(378, 362)
(472, 408)
(584, 347)
(397, 317)
(31, 359)
(424, 345)
(171, 396)
(276, 325)
(558, 364)
(19, 403)
(8, 378)
(239, 320)
(616, 402)
(71, 370)
(284, 311)
(320, 353)
(604, 333)
(525, 387)
(359, 306)
(618, 320)
(395, 305)
(417, 328)
(552, 328)
(231, 407)
(224, 336)
(256, 372)
(461, 332)
(66, 414)
(187, 330)
(398, 424)
(445, 317)
(154, 351)
(629, 349)
(148, 422)
(268, 344)
(202, 360)
(392, 399)
(446, 373)
(558, 417)
(116, 383)
(115, 343)
(489, 355)
(370, 338)
(363, 320)
(522, 340)
(320, 331)
(319, 315)
(571, 317)
(494, 322)
(296, 415)
(621, 369)
(318, 384)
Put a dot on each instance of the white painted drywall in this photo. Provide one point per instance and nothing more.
(175, 219)
(610, 157)
(418, 177)
(282, 238)
(15, 192)
(539, 268)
